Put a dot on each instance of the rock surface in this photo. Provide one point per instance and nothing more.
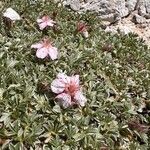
(123, 15)
(138, 19)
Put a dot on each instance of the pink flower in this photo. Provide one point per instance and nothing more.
(44, 49)
(82, 28)
(45, 21)
(68, 90)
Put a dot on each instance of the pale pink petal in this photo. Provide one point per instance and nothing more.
(75, 79)
(41, 53)
(53, 53)
(57, 86)
(44, 18)
(80, 98)
(85, 34)
(42, 25)
(37, 45)
(64, 78)
(64, 100)
(39, 20)
(50, 23)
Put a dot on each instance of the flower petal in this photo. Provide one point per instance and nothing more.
(39, 20)
(80, 98)
(64, 100)
(37, 45)
(41, 53)
(85, 34)
(57, 86)
(53, 53)
(64, 78)
(50, 23)
(11, 14)
(42, 25)
(75, 80)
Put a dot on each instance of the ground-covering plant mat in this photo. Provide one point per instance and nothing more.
(114, 73)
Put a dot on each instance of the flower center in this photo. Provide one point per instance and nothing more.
(71, 89)
(46, 18)
(47, 44)
(81, 27)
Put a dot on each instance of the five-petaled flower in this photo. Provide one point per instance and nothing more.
(82, 28)
(44, 49)
(45, 21)
(68, 90)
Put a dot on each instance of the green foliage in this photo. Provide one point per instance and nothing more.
(114, 71)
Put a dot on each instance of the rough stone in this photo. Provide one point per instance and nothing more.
(148, 9)
(120, 7)
(144, 8)
(148, 6)
(124, 29)
(109, 9)
(138, 19)
(131, 5)
(141, 9)
(74, 4)
(111, 29)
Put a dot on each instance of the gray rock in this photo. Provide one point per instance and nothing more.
(110, 17)
(141, 8)
(119, 28)
(109, 10)
(111, 29)
(147, 9)
(124, 29)
(113, 10)
(74, 4)
(139, 19)
(120, 7)
(144, 8)
(131, 5)
(148, 6)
